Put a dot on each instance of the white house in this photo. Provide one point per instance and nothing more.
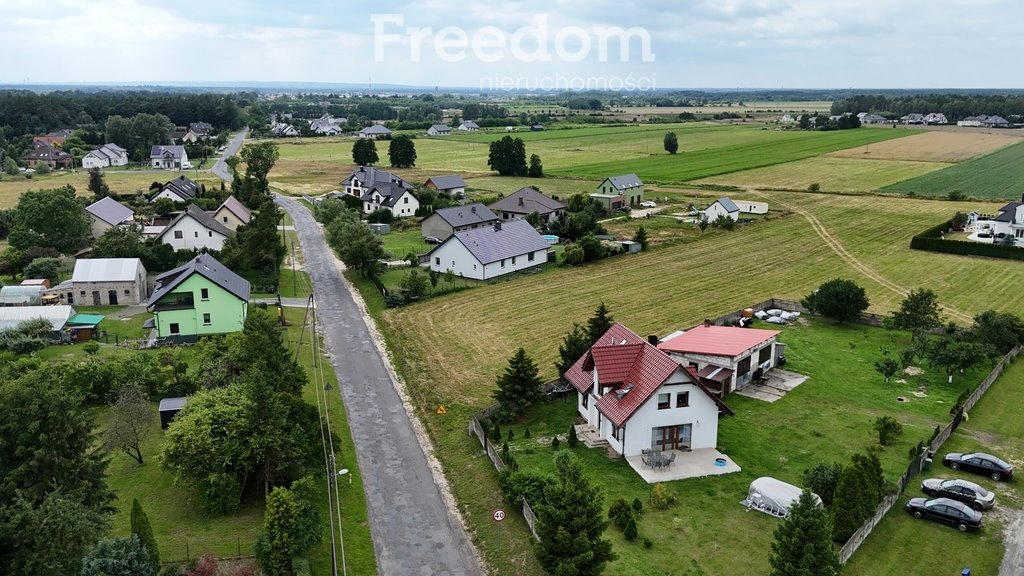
(469, 126)
(727, 358)
(486, 253)
(106, 213)
(722, 207)
(195, 229)
(105, 156)
(391, 197)
(168, 157)
(937, 118)
(232, 213)
(439, 130)
(375, 132)
(638, 398)
(450, 185)
(1008, 222)
(282, 130)
(180, 189)
(327, 125)
(748, 207)
(359, 182)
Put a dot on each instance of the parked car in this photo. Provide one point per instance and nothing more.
(979, 463)
(946, 511)
(967, 492)
(649, 204)
(432, 240)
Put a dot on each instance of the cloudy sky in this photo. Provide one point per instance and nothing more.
(473, 43)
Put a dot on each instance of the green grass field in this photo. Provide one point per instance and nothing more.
(996, 176)
(119, 181)
(831, 174)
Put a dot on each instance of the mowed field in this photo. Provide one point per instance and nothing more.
(998, 175)
(832, 174)
(933, 146)
(123, 182)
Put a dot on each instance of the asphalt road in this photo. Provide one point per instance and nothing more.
(221, 168)
(413, 531)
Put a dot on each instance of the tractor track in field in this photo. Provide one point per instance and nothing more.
(852, 260)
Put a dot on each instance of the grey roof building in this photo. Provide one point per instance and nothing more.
(447, 221)
(526, 201)
(200, 216)
(109, 211)
(491, 251)
(206, 266)
(445, 183)
(180, 189)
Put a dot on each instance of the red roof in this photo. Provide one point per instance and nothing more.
(624, 361)
(728, 341)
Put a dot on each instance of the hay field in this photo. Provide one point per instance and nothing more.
(998, 176)
(831, 173)
(932, 146)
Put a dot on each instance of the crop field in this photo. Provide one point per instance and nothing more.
(119, 181)
(996, 176)
(933, 146)
(823, 106)
(832, 174)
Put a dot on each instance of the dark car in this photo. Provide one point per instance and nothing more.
(432, 240)
(946, 511)
(955, 489)
(980, 463)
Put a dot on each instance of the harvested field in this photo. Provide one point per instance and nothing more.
(933, 146)
(832, 174)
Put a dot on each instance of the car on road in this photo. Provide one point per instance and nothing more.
(432, 240)
(945, 511)
(969, 493)
(979, 463)
(649, 204)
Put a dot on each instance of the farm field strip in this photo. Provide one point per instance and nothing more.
(999, 175)
(831, 173)
(932, 146)
(120, 182)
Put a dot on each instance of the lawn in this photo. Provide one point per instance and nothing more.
(830, 173)
(994, 426)
(996, 176)
(120, 182)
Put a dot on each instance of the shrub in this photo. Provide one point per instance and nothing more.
(647, 543)
(91, 348)
(511, 434)
(619, 513)
(573, 440)
(661, 498)
(206, 566)
(815, 187)
(888, 428)
(638, 506)
(630, 531)
(496, 433)
(526, 433)
(822, 480)
(554, 443)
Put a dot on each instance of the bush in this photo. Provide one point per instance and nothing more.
(496, 433)
(620, 513)
(647, 543)
(888, 428)
(526, 433)
(815, 187)
(511, 435)
(555, 443)
(221, 493)
(661, 498)
(930, 240)
(530, 485)
(638, 506)
(573, 440)
(90, 348)
(206, 566)
(630, 531)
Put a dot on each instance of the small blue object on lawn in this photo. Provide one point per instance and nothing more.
(966, 572)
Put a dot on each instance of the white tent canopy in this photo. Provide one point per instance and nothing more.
(773, 497)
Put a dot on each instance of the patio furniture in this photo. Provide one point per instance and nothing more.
(671, 460)
(657, 460)
(645, 457)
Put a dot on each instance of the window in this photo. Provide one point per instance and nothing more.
(196, 233)
(764, 355)
(437, 260)
(682, 399)
(210, 233)
(204, 293)
(225, 219)
(206, 319)
(513, 260)
(175, 329)
(619, 432)
(82, 292)
(529, 257)
(502, 262)
(586, 399)
(743, 367)
(664, 401)
(126, 292)
(178, 235)
(406, 199)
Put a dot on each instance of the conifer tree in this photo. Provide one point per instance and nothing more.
(520, 384)
(803, 542)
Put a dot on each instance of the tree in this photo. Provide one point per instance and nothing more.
(42, 168)
(50, 219)
(918, 313)
(703, 223)
(144, 532)
(163, 206)
(573, 255)
(520, 384)
(599, 323)
(256, 245)
(997, 331)
(118, 557)
(822, 480)
(130, 419)
(11, 166)
(414, 285)
(507, 157)
(724, 222)
(840, 299)
(45, 267)
(887, 367)
(402, 152)
(860, 489)
(291, 525)
(354, 243)
(593, 250)
(888, 428)
(259, 160)
(641, 238)
(536, 169)
(570, 523)
(573, 347)
(364, 152)
(803, 542)
(97, 184)
(671, 143)
(954, 355)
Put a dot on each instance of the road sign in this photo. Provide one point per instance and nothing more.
(499, 515)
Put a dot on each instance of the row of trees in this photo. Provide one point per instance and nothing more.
(953, 106)
(401, 152)
(507, 157)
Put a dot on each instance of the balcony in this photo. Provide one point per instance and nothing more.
(181, 302)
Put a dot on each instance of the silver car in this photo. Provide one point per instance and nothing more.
(961, 490)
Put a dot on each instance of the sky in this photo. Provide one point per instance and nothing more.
(618, 44)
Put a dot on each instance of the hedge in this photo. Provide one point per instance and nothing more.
(931, 240)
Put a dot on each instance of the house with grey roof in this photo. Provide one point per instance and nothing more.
(326, 125)
(232, 213)
(180, 189)
(439, 130)
(451, 185)
(105, 156)
(43, 152)
(526, 201)
(194, 229)
(390, 196)
(1008, 222)
(469, 126)
(490, 252)
(103, 282)
(375, 132)
(619, 191)
(106, 213)
(722, 207)
(168, 157)
(359, 182)
(996, 122)
(444, 222)
(282, 130)
(201, 298)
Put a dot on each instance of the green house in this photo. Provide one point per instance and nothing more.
(619, 191)
(200, 298)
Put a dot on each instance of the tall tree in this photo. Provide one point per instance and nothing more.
(141, 529)
(364, 152)
(573, 346)
(259, 161)
(570, 523)
(507, 157)
(954, 355)
(840, 299)
(520, 384)
(97, 184)
(997, 331)
(918, 313)
(536, 169)
(858, 493)
(256, 245)
(291, 525)
(118, 557)
(599, 323)
(671, 142)
(50, 219)
(402, 152)
(803, 542)
(641, 237)
(354, 243)
(131, 417)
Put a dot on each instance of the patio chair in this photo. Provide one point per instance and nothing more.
(645, 457)
(671, 460)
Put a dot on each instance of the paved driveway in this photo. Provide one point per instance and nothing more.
(414, 533)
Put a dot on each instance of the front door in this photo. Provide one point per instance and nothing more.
(671, 437)
(96, 298)
(112, 296)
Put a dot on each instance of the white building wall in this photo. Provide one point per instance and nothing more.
(452, 255)
(173, 197)
(515, 264)
(193, 235)
(752, 207)
(715, 210)
(93, 161)
(702, 413)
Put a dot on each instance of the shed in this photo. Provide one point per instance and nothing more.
(169, 408)
(380, 228)
(773, 497)
(84, 327)
(629, 246)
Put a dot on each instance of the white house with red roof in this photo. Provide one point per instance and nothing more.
(726, 358)
(638, 398)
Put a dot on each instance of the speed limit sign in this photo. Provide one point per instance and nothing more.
(499, 515)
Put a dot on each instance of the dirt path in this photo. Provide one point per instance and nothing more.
(1013, 537)
(852, 260)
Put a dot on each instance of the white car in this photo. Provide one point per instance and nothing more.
(649, 204)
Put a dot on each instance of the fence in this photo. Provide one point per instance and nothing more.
(476, 429)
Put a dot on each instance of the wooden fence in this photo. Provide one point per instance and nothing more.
(476, 429)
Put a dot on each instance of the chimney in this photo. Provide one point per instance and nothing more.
(652, 339)
(520, 200)
(472, 209)
(707, 323)
(497, 226)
